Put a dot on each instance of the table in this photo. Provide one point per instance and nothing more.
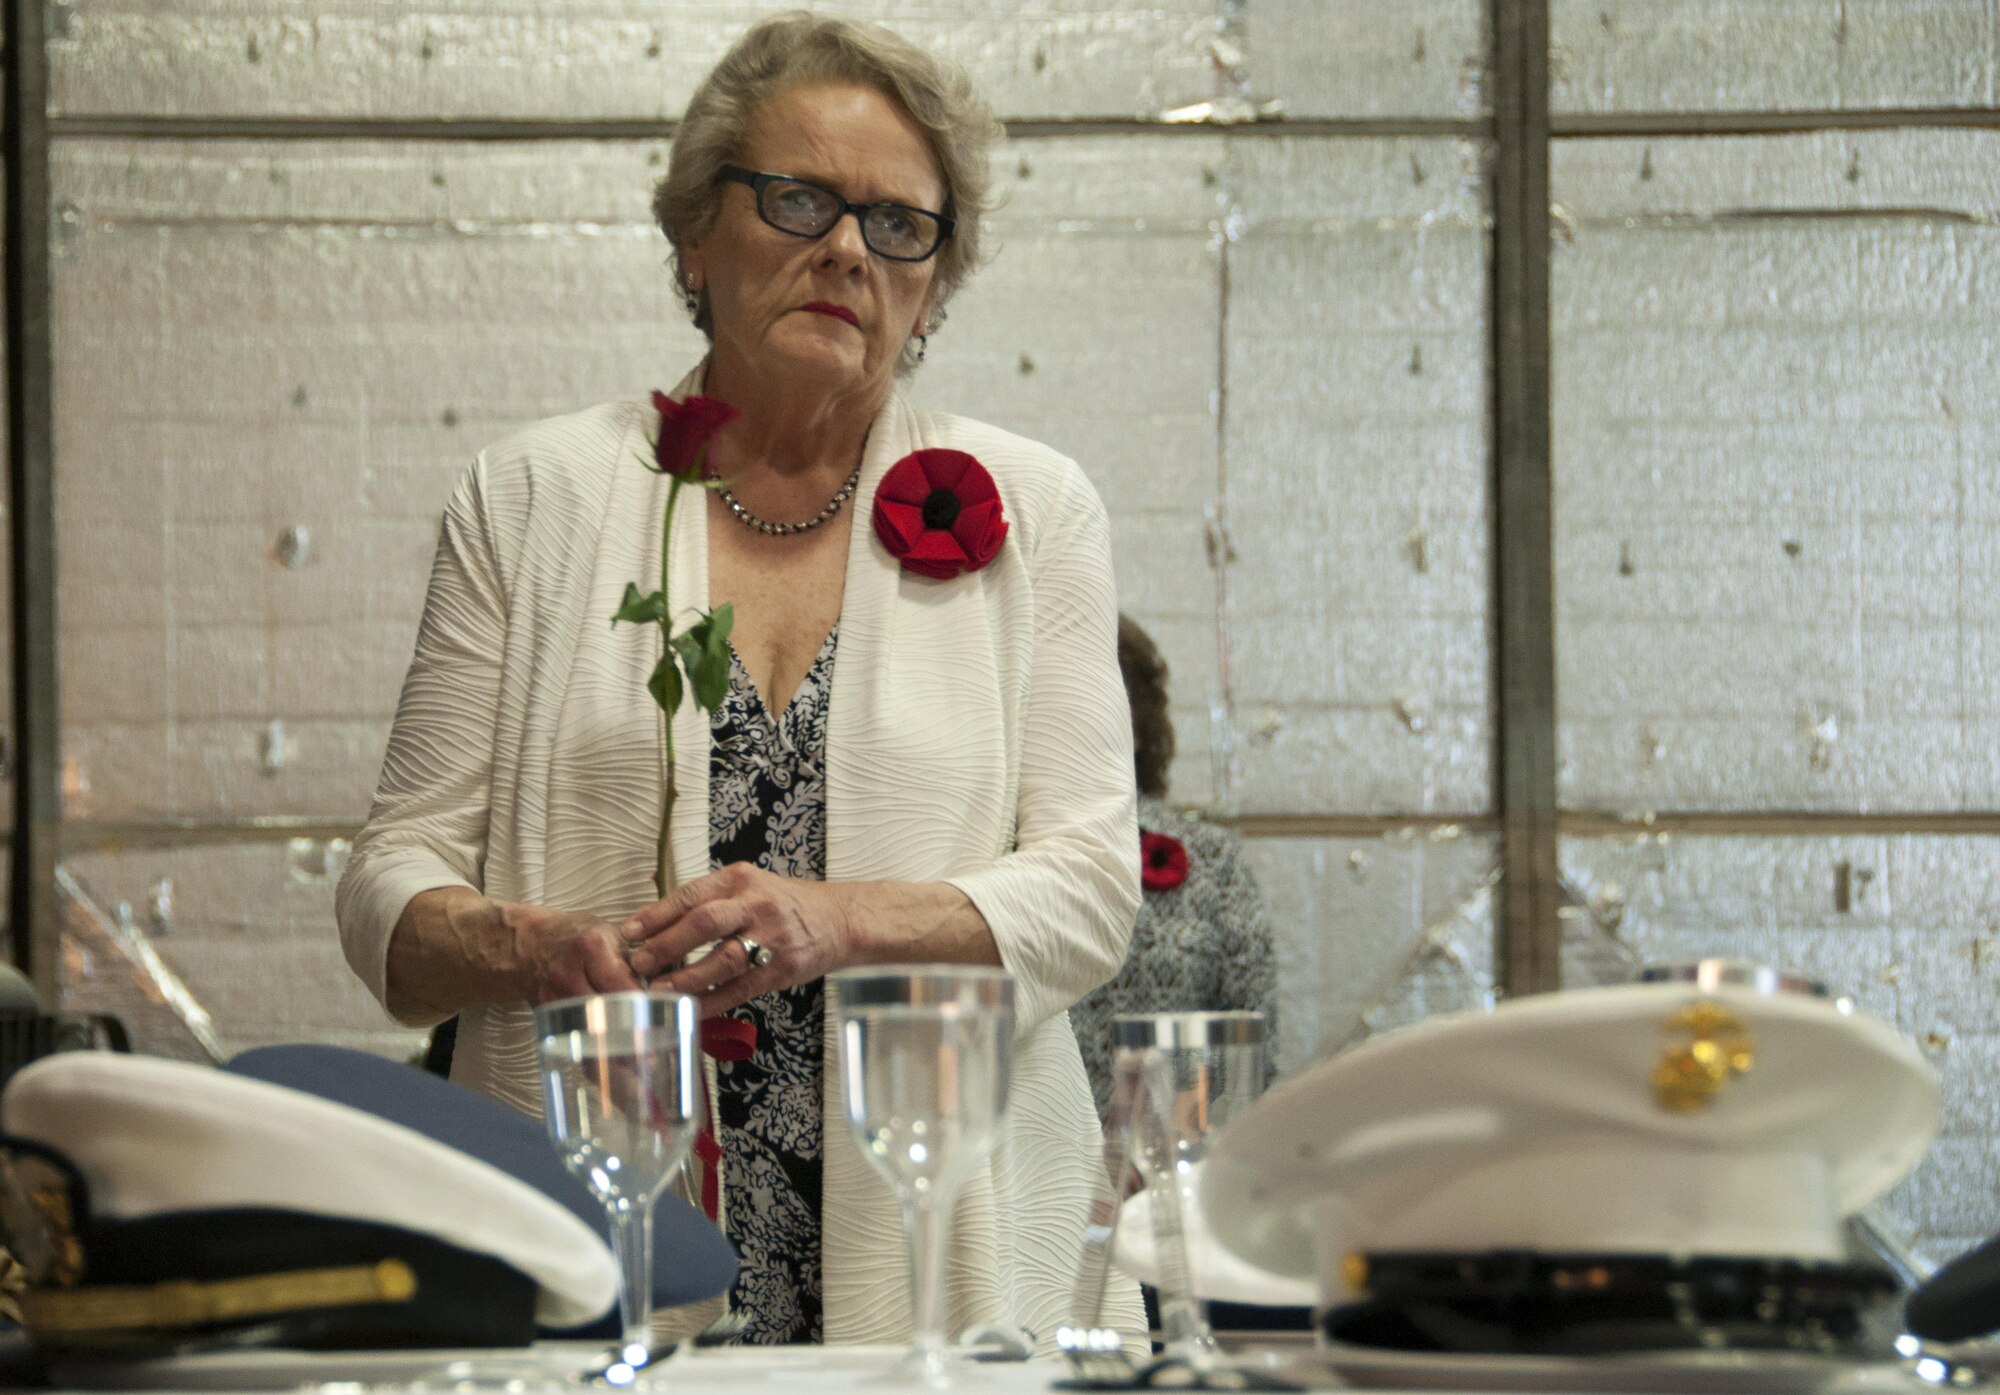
(755, 1371)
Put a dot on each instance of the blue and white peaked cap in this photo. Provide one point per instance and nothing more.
(1675, 1119)
(158, 1138)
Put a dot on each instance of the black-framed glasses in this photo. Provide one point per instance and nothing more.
(892, 230)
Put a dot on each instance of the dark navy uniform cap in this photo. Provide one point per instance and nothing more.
(691, 1259)
(1961, 1301)
(156, 1206)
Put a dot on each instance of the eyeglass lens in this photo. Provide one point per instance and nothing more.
(902, 234)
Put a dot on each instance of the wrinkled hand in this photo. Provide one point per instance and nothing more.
(805, 924)
(570, 956)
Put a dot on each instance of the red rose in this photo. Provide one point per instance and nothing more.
(686, 428)
(939, 512)
(1162, 862)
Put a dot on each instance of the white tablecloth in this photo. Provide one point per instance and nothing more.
(735, 1370)
(746, 1371)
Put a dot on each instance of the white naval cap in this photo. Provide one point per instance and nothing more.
(1216, 1272)
(1674, 1118)
(154, 1138)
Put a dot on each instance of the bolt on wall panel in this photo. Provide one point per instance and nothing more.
(1908, 925)
(1776, 539)
(1357, 923)
(609, 59)
(1772, 55)
(1356, 507)
(247, 929)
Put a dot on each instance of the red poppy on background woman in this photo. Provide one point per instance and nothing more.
(1163, 863)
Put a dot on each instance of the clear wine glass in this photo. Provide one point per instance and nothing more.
(924, 1059)
(1186, 1075)
(620, 1091)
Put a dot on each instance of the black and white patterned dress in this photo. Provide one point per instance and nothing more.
(767, 806)
(1204, 945)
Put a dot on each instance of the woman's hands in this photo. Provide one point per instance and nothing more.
(454, 948)
(810, 928)
(807, 926)
(565, 955)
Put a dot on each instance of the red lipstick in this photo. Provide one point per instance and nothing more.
(839, 312)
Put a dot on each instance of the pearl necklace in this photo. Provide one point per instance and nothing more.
(784, 530)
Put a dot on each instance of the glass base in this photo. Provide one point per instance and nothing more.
(498, 1374)
(942, 1369)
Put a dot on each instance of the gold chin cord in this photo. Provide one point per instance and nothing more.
(187, 1303)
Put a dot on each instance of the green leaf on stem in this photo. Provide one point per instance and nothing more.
(641, 610)
(705, 652)
(665, 685)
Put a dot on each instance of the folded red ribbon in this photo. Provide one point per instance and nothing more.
(728, 1039)
(722, 1039)
(708, 1153)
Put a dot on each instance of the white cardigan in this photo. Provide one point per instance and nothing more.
(978, 734)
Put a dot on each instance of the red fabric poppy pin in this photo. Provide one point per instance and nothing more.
(938, 512)
(1162, 862)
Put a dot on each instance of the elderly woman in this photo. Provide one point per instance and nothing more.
(908, 767)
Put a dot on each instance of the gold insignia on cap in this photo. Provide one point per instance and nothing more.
(13, 1283)
(1354, 1272)
(1692, 1073)
(41, 1245)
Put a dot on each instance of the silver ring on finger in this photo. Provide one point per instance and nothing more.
(757, 956)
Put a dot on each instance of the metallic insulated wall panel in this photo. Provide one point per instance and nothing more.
(1772, 55)
(1778, 532)
(1355, 468)
(1812, 175)
(1347, 915)
(637, 59)
(251, 934)
(255, 339)
(1095, 329)
(1367, 57)
(317, 336)
(313, 336)
(1909, 925)
(607, 59)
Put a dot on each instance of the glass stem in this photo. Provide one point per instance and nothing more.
(928, 1226)
(632, 1238)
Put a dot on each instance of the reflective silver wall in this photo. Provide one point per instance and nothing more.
(310, 256)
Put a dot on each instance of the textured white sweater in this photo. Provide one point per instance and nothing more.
(978, 734)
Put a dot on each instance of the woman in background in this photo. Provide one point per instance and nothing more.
(1202, 942)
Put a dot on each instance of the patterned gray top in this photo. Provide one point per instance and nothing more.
(767, 806)
(1205, 945)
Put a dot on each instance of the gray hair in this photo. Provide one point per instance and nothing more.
(792, 50)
